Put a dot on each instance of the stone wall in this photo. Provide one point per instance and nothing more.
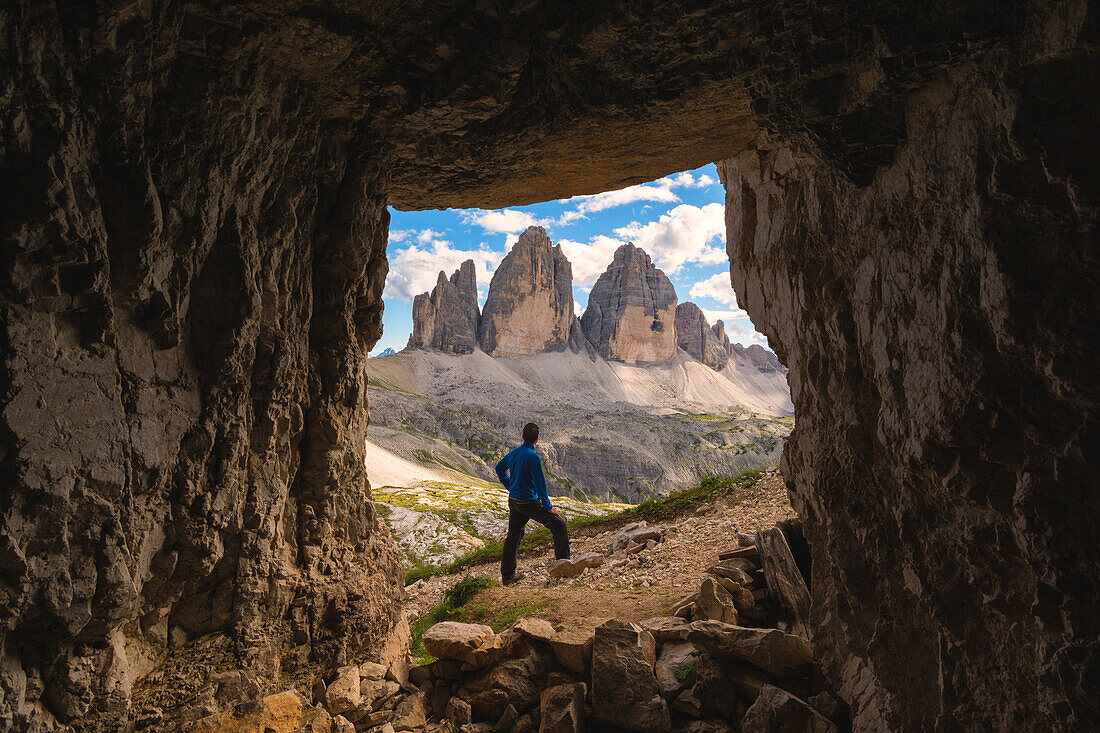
(938, 323)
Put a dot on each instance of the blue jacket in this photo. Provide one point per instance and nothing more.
(521, 473)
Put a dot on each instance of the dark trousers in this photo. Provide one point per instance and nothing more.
(518, 514)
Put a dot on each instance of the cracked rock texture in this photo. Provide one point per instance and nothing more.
(529, 308)
(631, 313)
(940, 327)
(194, 232)
(447, 318)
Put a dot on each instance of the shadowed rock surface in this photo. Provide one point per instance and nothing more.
(695, 336)
(631, 313)
(943, 405)
(447, 318)
(529, 308)
(194, 228)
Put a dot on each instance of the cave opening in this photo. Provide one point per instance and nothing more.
(911, 212)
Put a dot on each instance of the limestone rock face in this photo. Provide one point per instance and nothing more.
(529, 308)
(447, 318)
(695, 336)
(758, 357)
(631, 314)
(938, 359)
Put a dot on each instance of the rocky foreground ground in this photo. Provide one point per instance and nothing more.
(692, 623)
(634, 586)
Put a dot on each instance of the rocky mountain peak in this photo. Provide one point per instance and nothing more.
(447, 318)
(529, 308)
(631, 311)
(695, 336)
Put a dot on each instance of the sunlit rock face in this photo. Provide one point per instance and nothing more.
(939, 320)
(695, 336)
(529, 308)
(631, 313)
(447, 318)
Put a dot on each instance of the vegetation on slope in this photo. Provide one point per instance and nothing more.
(664, 508)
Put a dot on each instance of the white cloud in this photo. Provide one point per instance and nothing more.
(685, 234)
(399, 235)
(414, 270)
(502, 221)
(713, 316)
(660, 191)
(687, 180)
(590, 259)
(578, 310)
(717, 287)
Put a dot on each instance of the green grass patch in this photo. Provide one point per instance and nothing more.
(496, 613)
(709, 490)
(454, 599)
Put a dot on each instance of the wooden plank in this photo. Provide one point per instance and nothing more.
(785, 584)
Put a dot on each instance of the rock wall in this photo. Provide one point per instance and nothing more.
(631, 314)
(939, 321)
(189, 292)
(447, 318)
(695, 336)
(529, 308)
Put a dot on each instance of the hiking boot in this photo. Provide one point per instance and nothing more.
(514, 578)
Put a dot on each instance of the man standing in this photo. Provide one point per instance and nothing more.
(521, 473)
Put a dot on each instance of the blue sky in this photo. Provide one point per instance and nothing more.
(677, 219)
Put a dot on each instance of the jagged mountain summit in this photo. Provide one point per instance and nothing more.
(529, 308)
(631, 310)
(632, 315)
(697, 338)
(447, 319)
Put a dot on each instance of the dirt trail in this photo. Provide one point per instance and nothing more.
(639, 586)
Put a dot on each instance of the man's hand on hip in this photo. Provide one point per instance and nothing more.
(554, 510)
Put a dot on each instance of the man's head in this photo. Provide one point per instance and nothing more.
(530, 433)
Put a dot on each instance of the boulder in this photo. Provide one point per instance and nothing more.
(515, 682)
(322, 721)
(634, 533)
(673, 655)
(573, 647)
(631, 313)
(535, 628)
(732, 572)
(529, 307)
(695, 336)
(447, 318)
(714, 603)
(398, 671)
(342, 694)
(742, 597)
(458, 711)
(284, 712)
(411, 713)
(624, 687)
(665, 628)
(473, 644)
(707, 726)
(340, 724)
(778, 711)
(371, 671)
(777, 653)
(562, 709)
(571, 567)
